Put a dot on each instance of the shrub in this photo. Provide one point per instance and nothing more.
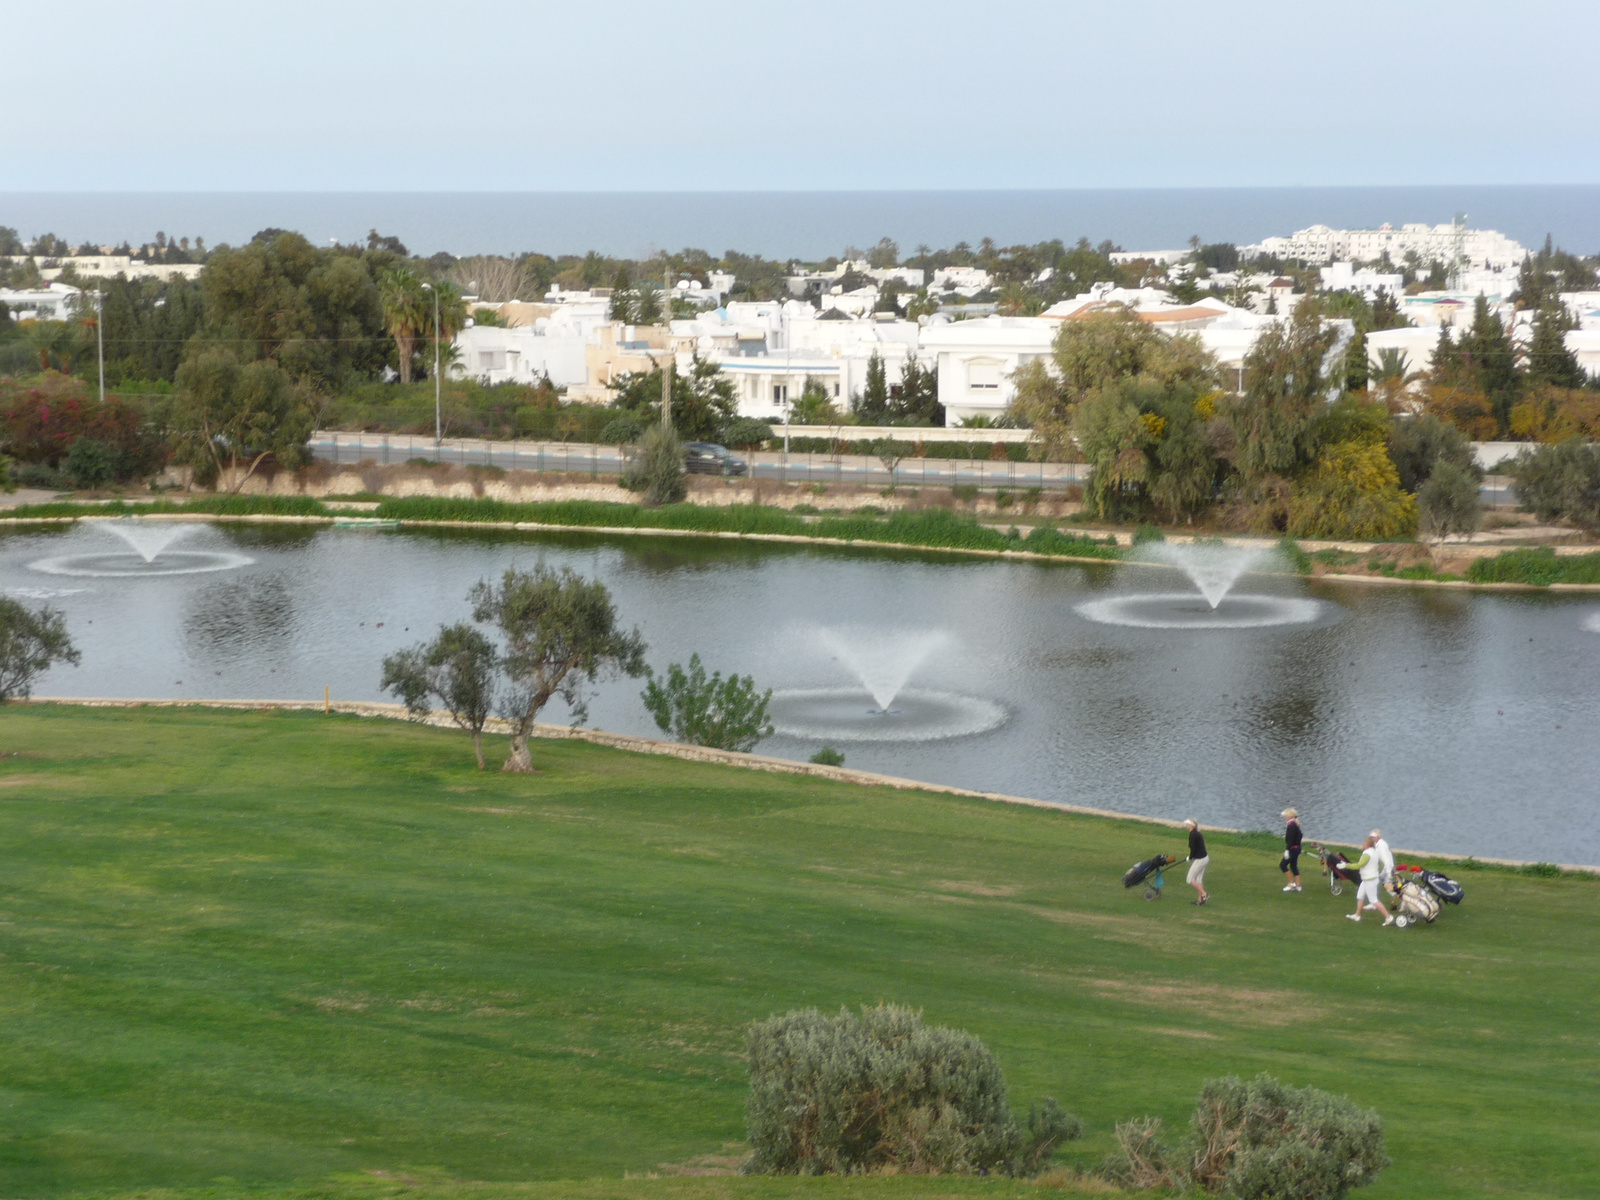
(723, 714)
(622, 429)
(1561, 482)
(882, 1091)
(1002, 499)
(746, 433)
(1147, 533)
(1265, 1140)
(828, 757)
(655, 467)
(964, 491)
(91, 463)
(1448, 502)
(1539, 870)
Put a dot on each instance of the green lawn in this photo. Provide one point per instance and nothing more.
(243, 952)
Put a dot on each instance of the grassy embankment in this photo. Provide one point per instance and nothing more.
(242, 952)
(929, 528)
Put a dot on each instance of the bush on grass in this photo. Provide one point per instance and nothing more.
(1261, 1140)
(828, 757)
(883, 1092)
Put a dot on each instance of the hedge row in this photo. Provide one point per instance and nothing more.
(1540, 567)
(223, 506)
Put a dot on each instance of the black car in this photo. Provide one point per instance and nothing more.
(708, 458)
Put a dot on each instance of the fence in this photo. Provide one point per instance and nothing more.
(569, 458)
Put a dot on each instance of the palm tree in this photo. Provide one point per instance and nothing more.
(406, 312)
(1392, 364)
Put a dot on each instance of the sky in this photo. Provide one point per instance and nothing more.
(414, 95)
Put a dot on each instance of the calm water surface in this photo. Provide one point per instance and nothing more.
(1457, 722)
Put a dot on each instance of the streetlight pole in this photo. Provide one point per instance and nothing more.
(100, 336)
(438, 422)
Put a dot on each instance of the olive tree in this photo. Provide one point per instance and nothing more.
(560, 635)
(457, 669)
(30, 643)
(725, 714)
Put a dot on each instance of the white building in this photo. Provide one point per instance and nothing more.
(1343, 277)
(1320, 244)
(109, 266)
(968, 281)
(54, 302)
(1161, 258)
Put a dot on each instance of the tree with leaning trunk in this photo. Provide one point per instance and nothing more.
(561, 635)
(457, 669)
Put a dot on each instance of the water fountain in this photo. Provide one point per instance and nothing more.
(149, 552)
(881, 708)
(1214, 569)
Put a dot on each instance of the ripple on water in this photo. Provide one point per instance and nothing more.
(852, 715)
(133, 566)
(1186, 610)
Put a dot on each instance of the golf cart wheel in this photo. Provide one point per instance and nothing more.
(1336, 887)
(1402, 921)
(1151, 893)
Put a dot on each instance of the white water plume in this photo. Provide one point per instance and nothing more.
(148, 540)
(883, 661)
(1211, 567)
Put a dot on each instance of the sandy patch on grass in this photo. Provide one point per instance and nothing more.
(698, 852)
(1248, 1006)
(702, 1165)
(497, 812)
(1169, 1031)
(19, 780)
(973, 888)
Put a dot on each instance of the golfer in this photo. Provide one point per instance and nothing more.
(1371, 868)
(1198, 861)
(1385, 859)
(1290, 863)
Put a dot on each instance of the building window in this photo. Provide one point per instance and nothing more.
(983, 377)
(780, 393)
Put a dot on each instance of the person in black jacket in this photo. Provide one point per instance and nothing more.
(1290, 864)
(1199, 860)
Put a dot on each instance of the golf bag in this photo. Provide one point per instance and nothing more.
(1141, 871)
(1416, 903)
(1443, 887)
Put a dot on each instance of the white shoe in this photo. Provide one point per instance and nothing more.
(1388, 920)
(1352, 916)
(1290, 888)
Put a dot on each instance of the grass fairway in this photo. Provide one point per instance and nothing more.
(242, 952)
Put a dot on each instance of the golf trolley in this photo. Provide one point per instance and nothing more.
(1334, 866)
(1148, 873)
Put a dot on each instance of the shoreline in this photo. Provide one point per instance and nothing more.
(356, 520)
(732, 758)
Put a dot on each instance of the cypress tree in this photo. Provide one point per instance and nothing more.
(873, 403)
(1550, 363)
(1492, 362)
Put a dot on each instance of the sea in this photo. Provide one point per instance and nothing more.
(804, 225)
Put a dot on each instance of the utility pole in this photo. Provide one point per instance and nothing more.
(100, 335)
(438, 406)
(667, 362)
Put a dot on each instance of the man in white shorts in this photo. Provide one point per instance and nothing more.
(1385, 860)
(1371, 868)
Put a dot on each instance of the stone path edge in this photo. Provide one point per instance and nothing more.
(791, 538)
(731, 758)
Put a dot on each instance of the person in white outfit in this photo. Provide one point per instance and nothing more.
(1371, 868)
(1385, 858)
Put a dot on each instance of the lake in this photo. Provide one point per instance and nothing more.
(1458, 722)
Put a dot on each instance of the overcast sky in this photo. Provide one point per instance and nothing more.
(830, 94)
